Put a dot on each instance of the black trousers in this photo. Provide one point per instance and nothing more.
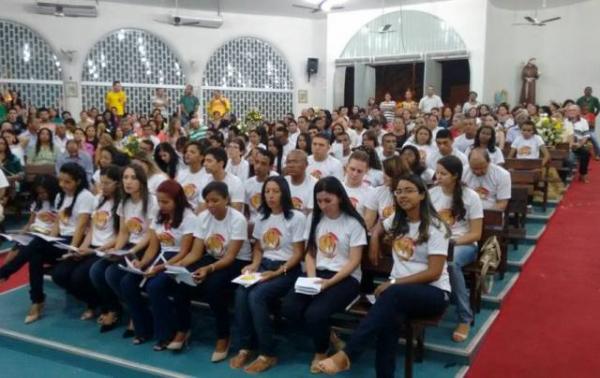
(73, 275)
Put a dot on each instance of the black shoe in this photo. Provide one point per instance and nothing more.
(109, 327)
(129, 333)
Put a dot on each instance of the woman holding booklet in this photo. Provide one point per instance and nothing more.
(172, 231)
(278, 250)
(336, 238)
(74, 204)
(220, 250)
(419, 284)
(73, 274)
(135, 211)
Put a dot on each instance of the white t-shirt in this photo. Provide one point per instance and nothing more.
(242, 170)
(235, 187)
(528, 148)
(496, 157)
(293, 139)
(494, 186)
(277, 234)
(44, 218)
(462, 143)
(169, 237)
(425, 150)
(96, 176)
(411, 258)
(155, 180)
(136, 222)
(103, 229)
(334, 238)
(84, 204)
(581, 129)
(359, 196)
(436, 155)
(382, 201)
(443, 204)
(303, 194)
(328, 167)
(216, 234)
(3, 180)
(427, 103)
(374, 178)
(382, 157)
(192, 184)
(253, 190)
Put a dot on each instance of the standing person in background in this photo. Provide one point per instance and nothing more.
(161, 101)
(471, 102)
(388, 107)
(590, 101)
(409, 101)
(116, 98)
(188, 104)
(430, 100)
(218, 103)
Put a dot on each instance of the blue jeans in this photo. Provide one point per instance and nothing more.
(384, 320)
(252, 308)
(74, 276)
(109, 302)
(215, 289)
(159, 288)
(463, 255)
(316, 310)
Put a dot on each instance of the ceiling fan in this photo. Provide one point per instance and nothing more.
(321, 6)
(534, 21)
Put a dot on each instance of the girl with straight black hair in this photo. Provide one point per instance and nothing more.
(412, 157)
(167, 159)
(336, 239)
(485, 139)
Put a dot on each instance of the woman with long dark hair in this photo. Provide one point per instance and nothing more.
(167, 159)
(44, 151)
(74, 205)
(461, 208)
(304, 143)
(485, 139)
(335, 243)
(412, 157)
(278, 250)
(276, 148)
(419, 284)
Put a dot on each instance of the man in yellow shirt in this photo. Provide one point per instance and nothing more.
(218, 103)
(116, 98)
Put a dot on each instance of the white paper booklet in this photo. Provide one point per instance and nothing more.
(47, 238)
(18, 238)
(308, 285)
(130, 267)
(119, 253)
(180, 274)
(247, 279)
(66, 247)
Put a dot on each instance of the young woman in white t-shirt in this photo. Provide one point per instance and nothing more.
(236, 164)
(193, 178)
(219, 252)
(74, 204)
(136, 211)
(461, 208)
(336, 239)
(418, 286)
(411, 156)
(279, 234)
(155, 175)
(423, 140)
(529, 145)
(485, 139)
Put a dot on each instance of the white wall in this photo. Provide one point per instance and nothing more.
(467, 17)
(296, 38)
(566, 51)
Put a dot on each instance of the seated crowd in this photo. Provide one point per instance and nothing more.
(305, 196)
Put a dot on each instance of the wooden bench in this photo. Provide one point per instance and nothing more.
(516, 211)
(521, 172)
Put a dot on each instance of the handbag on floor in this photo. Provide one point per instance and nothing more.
(489, 260)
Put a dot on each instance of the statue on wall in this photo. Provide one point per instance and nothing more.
(529, 74)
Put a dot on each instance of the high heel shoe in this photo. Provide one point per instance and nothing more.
(178, 346)
(35, 313)
(220, 356)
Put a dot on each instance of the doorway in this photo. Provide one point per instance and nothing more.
(456, 81)
(396, 78)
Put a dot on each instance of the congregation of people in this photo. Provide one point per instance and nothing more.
(312, 195)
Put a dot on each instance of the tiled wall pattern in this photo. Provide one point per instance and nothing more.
(250, 63)
(25, 55)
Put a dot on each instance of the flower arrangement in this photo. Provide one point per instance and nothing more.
(132, 146)
(550, 129)
(252, 119)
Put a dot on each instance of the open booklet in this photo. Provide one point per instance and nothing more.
(48, 238)
(247, 279)
(308, 285)
(180, 274)
(119, 253)
(129, 267)
(18, 238)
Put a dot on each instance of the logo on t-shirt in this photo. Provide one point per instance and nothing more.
(271, 238)
(404, 247)
(446, 215)
(524, 151)
(297, 202)
(483, 192)
(255, 201)
(135, 225)
(190, 190)
(328, 244)
(316, 174)
(354, 201)
(215, 244)
(100, 219)
(422, 154)
(387, 211)
(46, 216)
(63, 217)
(166, 238)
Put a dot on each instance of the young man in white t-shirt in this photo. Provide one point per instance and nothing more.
(388, 147)
(490, 181)
(444, 142)
(320, 163)
(357, 190)
(301, 184)
(263, 163)
(465, 140)
(214, 163)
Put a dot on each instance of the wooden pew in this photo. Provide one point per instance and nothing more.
(530, 165)
(516, 211)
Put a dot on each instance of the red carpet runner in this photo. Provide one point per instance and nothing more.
(17, 279)
(548, 326)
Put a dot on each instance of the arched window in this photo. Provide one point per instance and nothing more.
(253, 75)
(29, 65)
(140, 61)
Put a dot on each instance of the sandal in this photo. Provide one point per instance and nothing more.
(461, 333)
(240, 360)
(261, 364)
(314, 365)
(337, 363)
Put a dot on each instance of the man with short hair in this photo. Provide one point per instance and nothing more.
(73, 154)
(471, 102)
(60, 135)
(358, 191)
(301, 184)
(445, 146)
(388, 147)
(188, 104)
(148, 134)
(590, 101)
(320, 163)
(215, 161)
(13, 119)
(343, 140)
(263, 165)
(303, 124)
(578, 139)
(467, 138)
(282, 133)
(116, 98)
(293, 132)
(490, 181)
(430, 100)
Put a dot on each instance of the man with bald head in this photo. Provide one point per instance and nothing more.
(301, 184)
(489, 180)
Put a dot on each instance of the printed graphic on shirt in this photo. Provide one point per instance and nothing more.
(100, 219)
(316, 174)
(135, 225)
(297, 202)
(271, 238)
(328, 244)
(63, 217)
(190, 190)
(524, 151)
(46, 216)
(483, 192)
(255, 201)
(388, 211)
(423, 154)
(446, 215)
(166, 238)
(404, 247)
(215, 244)
(354, 201)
